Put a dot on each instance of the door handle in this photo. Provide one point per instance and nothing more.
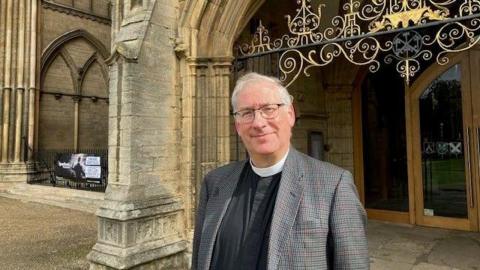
(469, 168)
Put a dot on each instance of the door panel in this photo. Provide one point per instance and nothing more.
(384, 143)
(442, 141)
(441, 136)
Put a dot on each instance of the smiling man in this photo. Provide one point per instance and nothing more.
(279, 209)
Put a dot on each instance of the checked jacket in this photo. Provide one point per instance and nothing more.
(318, 221)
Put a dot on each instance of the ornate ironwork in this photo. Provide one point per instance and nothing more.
(355, 35)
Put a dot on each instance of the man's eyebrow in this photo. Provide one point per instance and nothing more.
(253, 107)
(245, 108)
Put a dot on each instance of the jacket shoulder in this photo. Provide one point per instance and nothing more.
(318, 166)
(222, 172)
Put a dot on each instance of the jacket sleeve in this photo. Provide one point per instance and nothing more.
(199, 217)
(348, 228)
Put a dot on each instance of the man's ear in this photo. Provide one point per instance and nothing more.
(236, 126)
(291, 115)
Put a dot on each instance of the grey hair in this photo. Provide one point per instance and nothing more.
(254, 77)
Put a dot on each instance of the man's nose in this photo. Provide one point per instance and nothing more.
(258, 120)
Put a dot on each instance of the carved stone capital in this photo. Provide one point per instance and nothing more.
(76, 98)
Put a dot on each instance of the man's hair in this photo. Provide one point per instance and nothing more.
(254, 77)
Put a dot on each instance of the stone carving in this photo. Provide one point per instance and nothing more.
(145, 230)
(110, 232)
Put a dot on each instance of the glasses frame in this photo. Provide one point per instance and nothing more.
(237, 116)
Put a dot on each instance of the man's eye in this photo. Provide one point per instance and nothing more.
(246, 114)
(268, 110)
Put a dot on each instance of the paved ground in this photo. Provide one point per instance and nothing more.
(36, 236)
(400, 247)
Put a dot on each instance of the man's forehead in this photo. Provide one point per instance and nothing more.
(257, 97)
(259, 90)
(264, 85)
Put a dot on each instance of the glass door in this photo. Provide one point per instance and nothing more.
(443, 153)
(384, 145)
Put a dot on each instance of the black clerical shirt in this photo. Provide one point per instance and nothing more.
(242, 239)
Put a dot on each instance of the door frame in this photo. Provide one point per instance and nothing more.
(474, 57)
(415, 213)
(414, 144)
(357, 115)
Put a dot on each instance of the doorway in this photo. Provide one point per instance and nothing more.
(444, 132)
(418, 147)
(384, 147)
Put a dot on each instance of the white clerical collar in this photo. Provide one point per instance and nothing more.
(269, 171)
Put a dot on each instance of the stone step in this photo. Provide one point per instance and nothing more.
(86, 201)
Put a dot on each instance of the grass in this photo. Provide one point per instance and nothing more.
(446, 173)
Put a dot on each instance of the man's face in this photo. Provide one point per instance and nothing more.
(264, 138)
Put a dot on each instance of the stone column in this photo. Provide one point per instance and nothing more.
(141, 222)
(5, 124)
(7, 87)
(20, 82)
(210, 81)
(17, 68)
(205, 121)
(76, 117)
(32, 89)
(18, 125)
(212, 114)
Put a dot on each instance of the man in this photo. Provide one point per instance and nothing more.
(78, 169)
(279, 209)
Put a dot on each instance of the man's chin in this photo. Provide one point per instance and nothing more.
(264, 150)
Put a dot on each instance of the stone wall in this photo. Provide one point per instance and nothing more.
(55, 22)
(340, 127)
(73, 109)
(56, 123)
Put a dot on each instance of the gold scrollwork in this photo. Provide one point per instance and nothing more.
(260, 42)
(305, 24)
(345, 37)
(450, 35)
(469, 7)
(400, 13)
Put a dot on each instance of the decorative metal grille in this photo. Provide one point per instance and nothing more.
(452, 26)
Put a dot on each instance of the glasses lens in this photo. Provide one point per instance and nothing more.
(244, 116)
(269, 111)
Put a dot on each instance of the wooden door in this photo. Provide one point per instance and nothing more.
(443, 141)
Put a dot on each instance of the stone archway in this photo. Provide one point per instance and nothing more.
(206, 34)
(169, 124)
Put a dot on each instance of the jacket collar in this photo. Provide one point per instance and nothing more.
(286, 206)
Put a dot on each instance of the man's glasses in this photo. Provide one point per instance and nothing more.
(247, 116)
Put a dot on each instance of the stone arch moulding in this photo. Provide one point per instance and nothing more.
(208, 29)
(52, 50)
(94, 58)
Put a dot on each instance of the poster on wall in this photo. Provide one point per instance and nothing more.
(79, 167)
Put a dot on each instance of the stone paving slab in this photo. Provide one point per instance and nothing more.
(393, 246)
(37, 236)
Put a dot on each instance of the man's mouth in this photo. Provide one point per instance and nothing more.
(260, 135)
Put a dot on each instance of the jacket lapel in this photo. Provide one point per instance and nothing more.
(286, 206)
(215, 210)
